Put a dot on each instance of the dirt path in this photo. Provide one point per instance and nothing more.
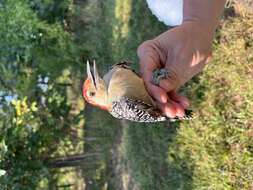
(102, 33)
(121, 169)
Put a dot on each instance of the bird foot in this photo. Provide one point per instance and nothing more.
(159, 74)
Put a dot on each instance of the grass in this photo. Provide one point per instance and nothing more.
(221, 151)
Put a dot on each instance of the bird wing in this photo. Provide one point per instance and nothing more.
(124, 81)
(126, 65)
(136, 110)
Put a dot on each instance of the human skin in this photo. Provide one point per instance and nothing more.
(183, 51)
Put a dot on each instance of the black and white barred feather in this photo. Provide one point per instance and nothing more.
(135, 110)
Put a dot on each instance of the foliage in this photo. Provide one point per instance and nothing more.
(37, 57)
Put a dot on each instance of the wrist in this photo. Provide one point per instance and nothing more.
(210, 24)
(199, 29)
(203, 12)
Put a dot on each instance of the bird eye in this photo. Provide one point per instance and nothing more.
(92, 94)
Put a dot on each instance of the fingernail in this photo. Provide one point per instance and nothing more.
(180, 113)
(169, 113)
(163, 99)
(185, 103)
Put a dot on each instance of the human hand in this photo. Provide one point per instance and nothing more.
(183, 51)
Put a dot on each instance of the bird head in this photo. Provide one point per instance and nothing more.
(94, 88)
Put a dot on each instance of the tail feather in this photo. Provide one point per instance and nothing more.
(138, 111)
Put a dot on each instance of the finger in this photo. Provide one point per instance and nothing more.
(149, 61)
(168, 84)
(147, 65)
(179, 109)
(171, 82)
(168, 109)
(156, 92)
(183, 101)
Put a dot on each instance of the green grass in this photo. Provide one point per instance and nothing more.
(213, 151)
(219, 142)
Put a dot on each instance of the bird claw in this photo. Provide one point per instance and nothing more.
(159, 74)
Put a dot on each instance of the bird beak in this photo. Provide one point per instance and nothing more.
(95, 72)
(92, 75)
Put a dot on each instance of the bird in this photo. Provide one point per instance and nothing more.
(122, 93)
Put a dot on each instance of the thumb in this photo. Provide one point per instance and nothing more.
(171, 82)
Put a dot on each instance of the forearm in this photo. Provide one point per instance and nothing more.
(206, 12)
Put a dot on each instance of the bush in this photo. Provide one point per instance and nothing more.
(36, 59)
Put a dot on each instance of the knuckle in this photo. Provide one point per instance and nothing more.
(145, 47)
(172, 81)
(209, 57)
(173, 78)
(183, 58)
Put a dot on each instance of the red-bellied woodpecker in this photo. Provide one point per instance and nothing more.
(122, 93)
